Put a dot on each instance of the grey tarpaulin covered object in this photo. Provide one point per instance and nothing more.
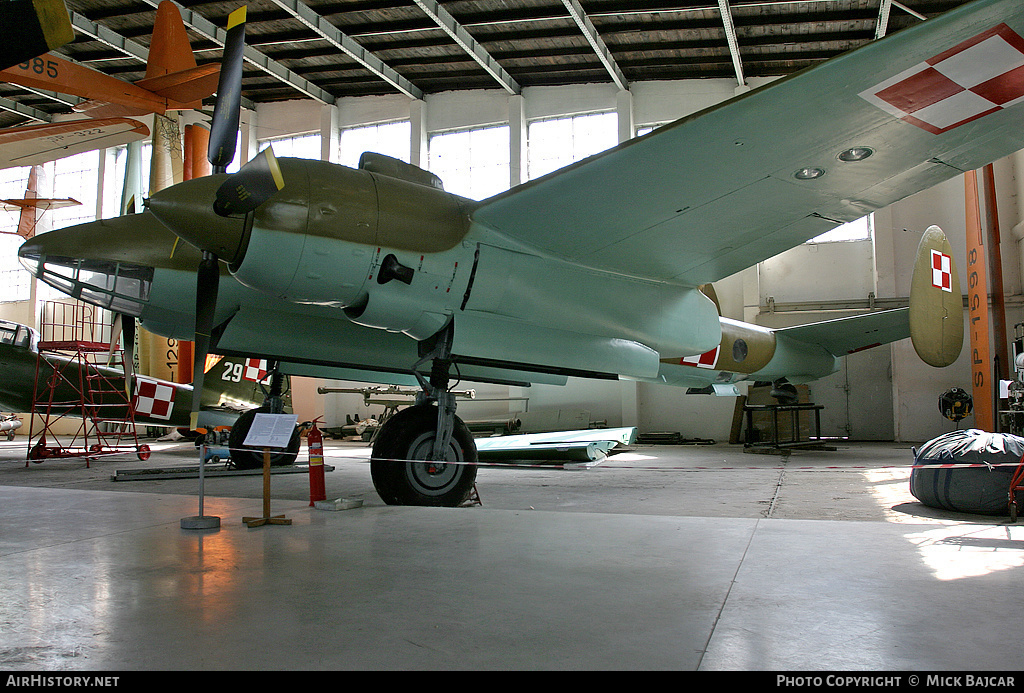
(984, 489)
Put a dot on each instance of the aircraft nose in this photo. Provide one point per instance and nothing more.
(187, 210)
(107, 282)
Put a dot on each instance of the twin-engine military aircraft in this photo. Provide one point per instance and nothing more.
(377, 274)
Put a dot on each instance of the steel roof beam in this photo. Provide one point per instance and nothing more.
(579, 16)
(349, 46)
(23, 110)
(730, 36)
(458, 33)
(882, 25)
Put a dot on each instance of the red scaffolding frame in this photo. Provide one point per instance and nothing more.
(80, 375)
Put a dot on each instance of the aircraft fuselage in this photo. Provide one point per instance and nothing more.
(356, 267)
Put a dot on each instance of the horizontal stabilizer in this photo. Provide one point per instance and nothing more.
(185, 87)
(844, 336)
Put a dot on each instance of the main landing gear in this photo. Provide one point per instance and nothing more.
(425, 455)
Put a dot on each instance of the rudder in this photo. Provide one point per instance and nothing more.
(936, 303)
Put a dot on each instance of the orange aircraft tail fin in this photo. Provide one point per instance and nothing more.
(171, 71)
(170, 50)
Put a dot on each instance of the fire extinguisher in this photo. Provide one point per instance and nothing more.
(315, 443)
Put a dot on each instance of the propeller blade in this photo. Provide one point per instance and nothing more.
(224, 129)
(128, 351)
(115, 331)
(207, 284)
(253, 185)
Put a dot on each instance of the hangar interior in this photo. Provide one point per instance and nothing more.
(675, 559)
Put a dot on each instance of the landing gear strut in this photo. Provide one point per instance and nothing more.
(428, 431)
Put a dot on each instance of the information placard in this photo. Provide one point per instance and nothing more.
(271, 431)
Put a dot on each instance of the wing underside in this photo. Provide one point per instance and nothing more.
(713, 193)
(37, 144)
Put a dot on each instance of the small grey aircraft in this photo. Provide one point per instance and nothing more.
(377, 274)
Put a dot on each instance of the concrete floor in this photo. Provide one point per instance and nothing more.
(665, 557)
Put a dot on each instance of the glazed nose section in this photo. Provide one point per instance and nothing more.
(187, 209)
(119, 286)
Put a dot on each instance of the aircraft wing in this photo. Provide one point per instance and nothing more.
(40, 203)
(718, 191)
(844, 336)
(37, 144)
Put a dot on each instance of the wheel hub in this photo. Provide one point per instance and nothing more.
(432, 477)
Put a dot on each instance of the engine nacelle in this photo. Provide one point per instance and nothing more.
(385, 250)
(416, 299)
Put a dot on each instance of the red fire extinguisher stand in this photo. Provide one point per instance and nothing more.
(315, 443)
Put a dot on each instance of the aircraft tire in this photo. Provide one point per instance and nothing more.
(409, 435)
(250, 458)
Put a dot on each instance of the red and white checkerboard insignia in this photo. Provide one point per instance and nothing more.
(255, 370)
(980, 76)
(153, 398)
(706, 360)
(942, 276)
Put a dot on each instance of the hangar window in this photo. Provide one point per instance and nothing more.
(647, 129)
(298, 147)
(15, 282)
(856, 230)
(473, 163)
(12, 187)
(76, 177)
(558, 142)
(391, 139)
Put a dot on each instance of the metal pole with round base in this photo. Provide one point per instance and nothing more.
(201, 521)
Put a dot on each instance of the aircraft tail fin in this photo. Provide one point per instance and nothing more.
(171, 70)
(936, 304)
(933, 320)
(236, 382)
(29, 216)
(709, 291)
(170, 50)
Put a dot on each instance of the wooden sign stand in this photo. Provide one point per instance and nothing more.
(266, 519)
(269, 431)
